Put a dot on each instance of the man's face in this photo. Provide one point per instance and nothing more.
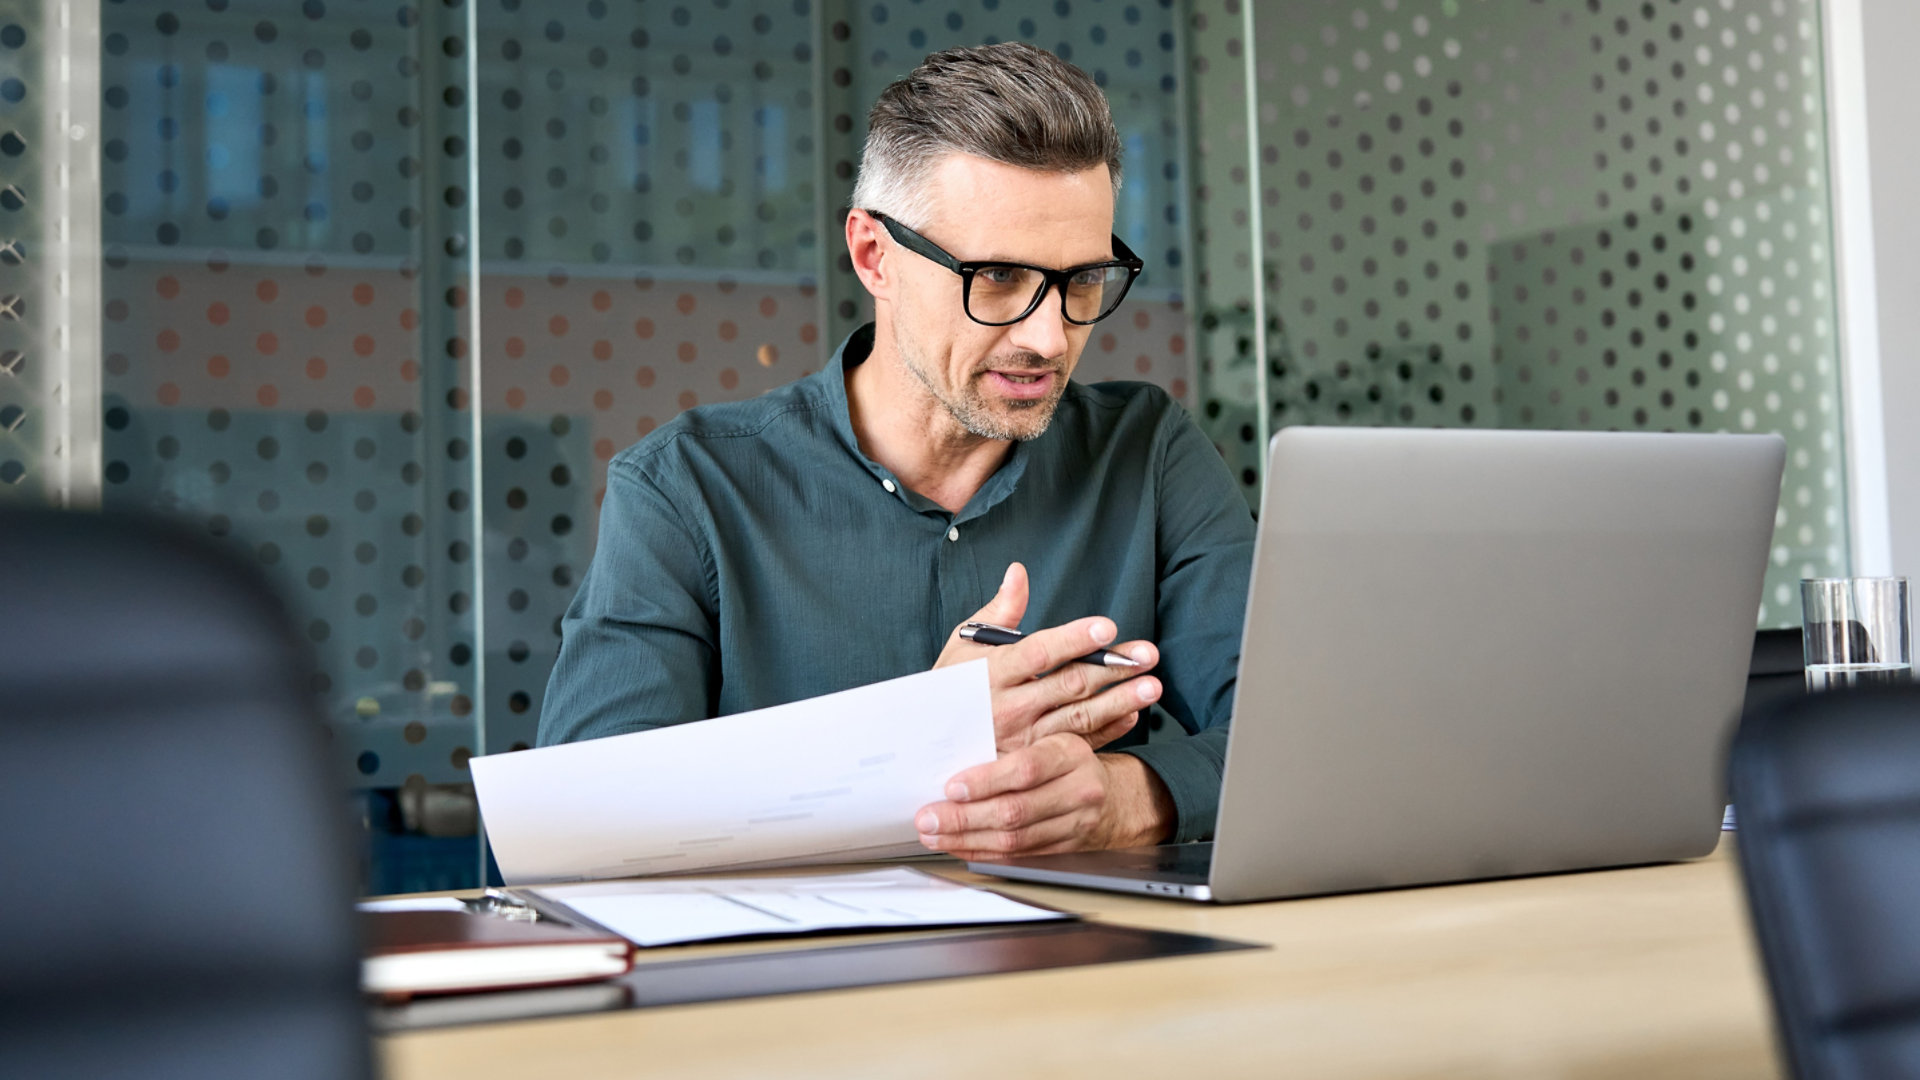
(999, 382)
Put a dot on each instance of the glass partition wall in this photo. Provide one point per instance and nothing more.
(373, 290)
(1596, 215)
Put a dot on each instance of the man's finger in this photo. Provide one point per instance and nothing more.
(1020, 770)
(1044, 650)
(1090, 715)
(1009, 603)
(1070, 844)
(1113, 731)
(1073, 681)
(998, 842)
(1007, 608)
(1016, 820)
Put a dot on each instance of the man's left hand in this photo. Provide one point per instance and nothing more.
(1053, 795)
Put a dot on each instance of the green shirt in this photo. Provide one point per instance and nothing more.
(751, 555)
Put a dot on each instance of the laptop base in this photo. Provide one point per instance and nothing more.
(1179, 871)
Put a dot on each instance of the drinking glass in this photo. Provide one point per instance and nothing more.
(1857, 632)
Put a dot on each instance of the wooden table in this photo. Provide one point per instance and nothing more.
(1643, 973)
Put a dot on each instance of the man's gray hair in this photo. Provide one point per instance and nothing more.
(1012, 103)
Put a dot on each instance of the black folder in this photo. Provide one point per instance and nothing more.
(721, 978)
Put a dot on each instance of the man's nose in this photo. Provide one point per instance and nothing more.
(1043, 333)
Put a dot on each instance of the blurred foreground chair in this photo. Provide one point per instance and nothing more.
(1828, 791)
(178, 887)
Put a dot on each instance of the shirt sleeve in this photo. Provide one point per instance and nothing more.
(1205, 559)
(639, 644)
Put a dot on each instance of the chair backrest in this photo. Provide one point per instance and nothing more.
(1828, 791)
(1778, 668)
(172, 841)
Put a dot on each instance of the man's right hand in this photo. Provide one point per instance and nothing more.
(1038, 689)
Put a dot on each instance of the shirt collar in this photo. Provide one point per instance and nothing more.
(833, 386)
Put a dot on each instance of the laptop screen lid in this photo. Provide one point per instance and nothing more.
(1474, 654)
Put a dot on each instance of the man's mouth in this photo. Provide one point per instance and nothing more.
(1026, 384)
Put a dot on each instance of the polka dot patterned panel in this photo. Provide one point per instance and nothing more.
(294, 127)
(578, 369)
(27, 374)
(650, 242)
(284, 317)
(1131, 48)
(676, 135)
(1609, 214)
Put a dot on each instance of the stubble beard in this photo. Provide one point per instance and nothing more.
(974, 411)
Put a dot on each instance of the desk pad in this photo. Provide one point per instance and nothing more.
(721, 978)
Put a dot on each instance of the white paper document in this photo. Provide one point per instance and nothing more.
(671, 911)
(413, 903)
(832, 778)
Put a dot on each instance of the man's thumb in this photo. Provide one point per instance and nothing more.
(1009, 605)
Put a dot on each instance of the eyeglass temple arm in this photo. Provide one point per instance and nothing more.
(916, 243)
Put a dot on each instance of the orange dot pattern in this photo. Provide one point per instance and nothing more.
(286, 407)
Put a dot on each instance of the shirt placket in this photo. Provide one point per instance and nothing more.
(957, 576)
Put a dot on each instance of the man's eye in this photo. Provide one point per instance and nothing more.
(1089, 279)
(999, 275)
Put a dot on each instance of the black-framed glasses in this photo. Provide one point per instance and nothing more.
(1003, 293)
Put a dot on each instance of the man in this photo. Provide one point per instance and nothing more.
(838, 531)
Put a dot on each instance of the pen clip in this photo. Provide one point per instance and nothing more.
(970, 626)
(503, 905)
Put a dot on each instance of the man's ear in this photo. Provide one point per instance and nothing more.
(867, 246)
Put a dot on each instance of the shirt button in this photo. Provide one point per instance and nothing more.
(953, 533)
(888, 484)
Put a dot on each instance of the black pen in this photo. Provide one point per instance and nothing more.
(988, 634)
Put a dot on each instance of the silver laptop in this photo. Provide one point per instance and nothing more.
(1476, 654)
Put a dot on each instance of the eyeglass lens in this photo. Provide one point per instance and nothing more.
(1001, 294)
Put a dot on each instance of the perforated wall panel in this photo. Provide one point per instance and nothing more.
(1600, 215)
(285, 344)
(651, 243)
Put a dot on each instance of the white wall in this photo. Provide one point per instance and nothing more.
(1881, 62)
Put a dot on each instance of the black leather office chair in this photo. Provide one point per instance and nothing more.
(1828, 789)
(174, 869)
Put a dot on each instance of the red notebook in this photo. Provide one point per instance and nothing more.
(445, 952)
